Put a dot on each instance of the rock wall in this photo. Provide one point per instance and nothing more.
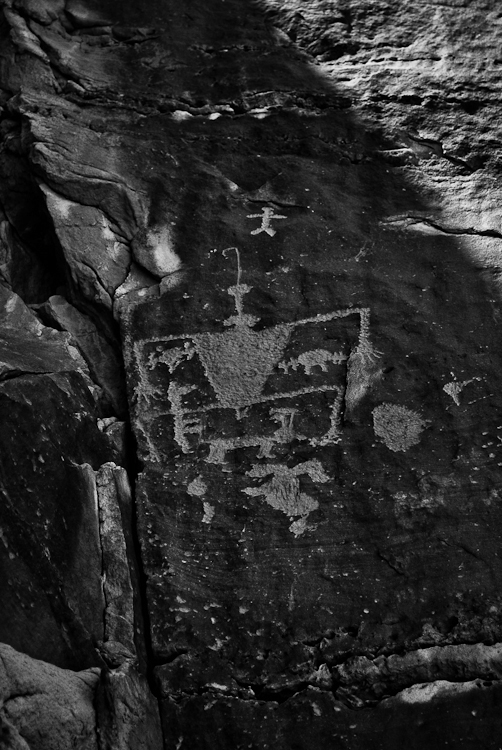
(249, 353)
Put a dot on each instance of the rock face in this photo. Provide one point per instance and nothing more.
(285, 218)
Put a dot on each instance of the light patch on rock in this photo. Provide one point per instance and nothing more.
(425, 692)
(179, 115)
(399, 427)
(115, 248)
(10, 305)
(4, 540)
(208, 513)
(82, 16)
(56, 203)
(103, 424)
(197, 487)
(163, 258)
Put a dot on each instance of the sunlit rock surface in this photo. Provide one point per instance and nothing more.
(285, 219)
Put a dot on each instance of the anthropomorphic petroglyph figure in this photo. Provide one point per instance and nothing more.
(283, 491)
(238, 362)
(286, 419)
(266, 217)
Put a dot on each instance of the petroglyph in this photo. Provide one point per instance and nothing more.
(238, 364)
(364, 350)
(314, 358)
(399, 427)
(284, 435)
(197, 487)
(220, 446)
(362, 365)
(266, 217)
(184, 423)
(286, 418)
(454, 389)
(333, 435)
(363, 252)
(208, 512)
(283, 490)
(172, 357)
(362, 372)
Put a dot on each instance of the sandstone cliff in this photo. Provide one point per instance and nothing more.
(250, 307)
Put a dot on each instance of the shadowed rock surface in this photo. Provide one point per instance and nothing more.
(276, 226)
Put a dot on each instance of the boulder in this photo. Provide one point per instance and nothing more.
(45, 707)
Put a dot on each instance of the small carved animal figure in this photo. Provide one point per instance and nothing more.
(314, 358)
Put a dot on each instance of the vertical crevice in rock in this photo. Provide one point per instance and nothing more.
(135, 554)
(128, 713)
(114, 500)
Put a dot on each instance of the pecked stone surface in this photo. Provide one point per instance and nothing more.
(293, 212)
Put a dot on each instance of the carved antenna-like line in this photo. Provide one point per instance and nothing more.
(239, 270)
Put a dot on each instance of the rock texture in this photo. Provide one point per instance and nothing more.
(43, 706)
(439, 714)
(284, 219)
(127, 712)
